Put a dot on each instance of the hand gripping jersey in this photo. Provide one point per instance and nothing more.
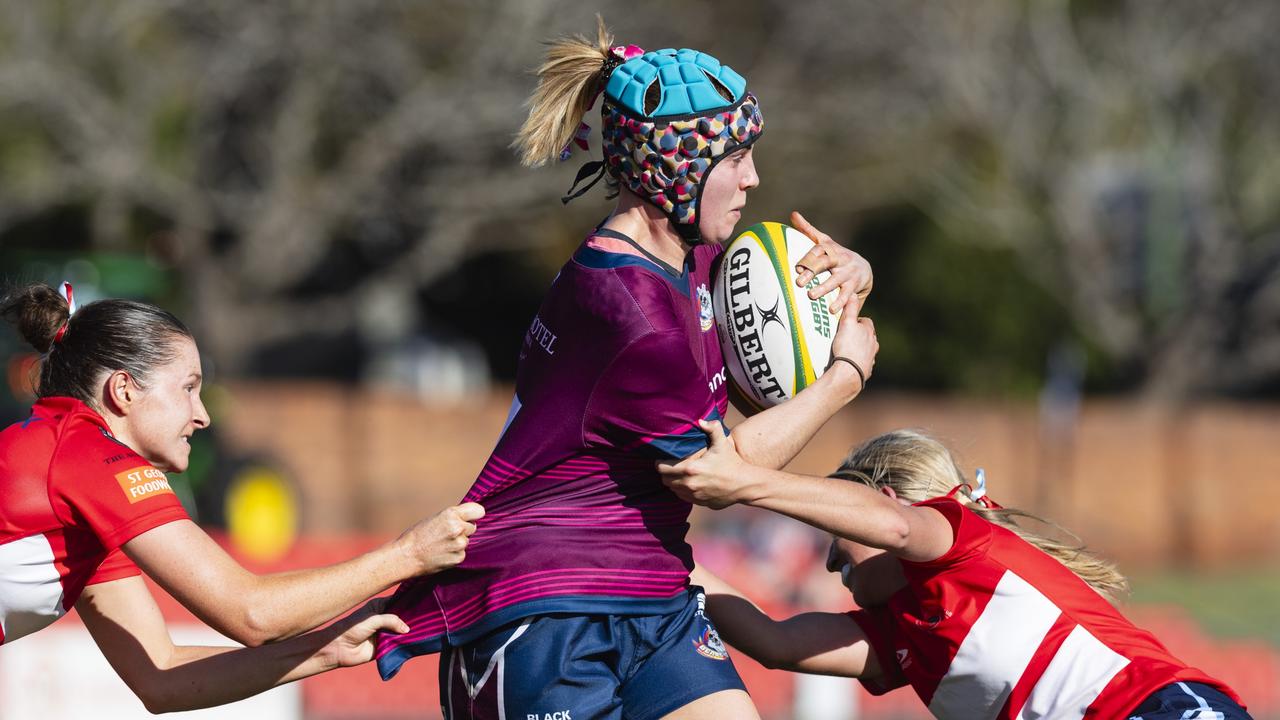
(70, 496)
(995, 628)
(620, 363)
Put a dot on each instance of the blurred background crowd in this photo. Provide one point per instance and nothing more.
(1071, 207)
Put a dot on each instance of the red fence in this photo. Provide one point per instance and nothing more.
(1146, 485)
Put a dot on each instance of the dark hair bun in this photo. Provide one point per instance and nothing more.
(38, 311)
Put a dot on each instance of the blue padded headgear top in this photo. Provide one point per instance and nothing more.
(683, 83)
(698, 113)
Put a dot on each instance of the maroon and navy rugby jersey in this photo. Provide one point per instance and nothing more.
(70, 496)
(620, 363)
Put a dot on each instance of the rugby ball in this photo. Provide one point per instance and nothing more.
(776, 341)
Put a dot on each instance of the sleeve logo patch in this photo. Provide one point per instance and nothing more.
(143, 482)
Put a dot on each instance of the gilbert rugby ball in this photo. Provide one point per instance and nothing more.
(776, 340)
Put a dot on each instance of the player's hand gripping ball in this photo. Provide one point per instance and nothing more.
(775, 334)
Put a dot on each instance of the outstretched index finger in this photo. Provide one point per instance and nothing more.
(798, 222)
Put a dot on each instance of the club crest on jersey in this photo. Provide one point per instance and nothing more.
(709, 645)
(705, 315)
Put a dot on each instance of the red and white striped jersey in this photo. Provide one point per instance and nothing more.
(70, 496)
(997, 629)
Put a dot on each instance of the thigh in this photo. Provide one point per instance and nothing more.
(546, 668)
(680, 666)
(734, 704)
(1189, 701)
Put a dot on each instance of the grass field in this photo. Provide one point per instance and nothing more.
(1236, 604)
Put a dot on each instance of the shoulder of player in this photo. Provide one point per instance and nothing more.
(666, 352)
(971, 534)
(636, 297)
(87, 446)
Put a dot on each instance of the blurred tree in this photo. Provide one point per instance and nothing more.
(1123, 149)
(306, 166)
(289, 159)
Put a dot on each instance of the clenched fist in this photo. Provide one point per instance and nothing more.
(440, 542)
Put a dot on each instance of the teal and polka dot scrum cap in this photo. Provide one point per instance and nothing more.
(681, 82)
(669, 117)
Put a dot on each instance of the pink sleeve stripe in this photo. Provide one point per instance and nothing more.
(588, 513)
(460, 621)
(659, 578)
(427, 621)
(655, 575)
(563, 587)
(591, 462)
(498, 474)
(679, 430)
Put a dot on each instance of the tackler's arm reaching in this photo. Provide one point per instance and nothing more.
(813, 642)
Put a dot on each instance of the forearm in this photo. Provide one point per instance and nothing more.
(841, 507)
(822, 643)
(200, 677)
(254, 609)
(740, 622)
(773, 437)
(282, 605)
(127, 626)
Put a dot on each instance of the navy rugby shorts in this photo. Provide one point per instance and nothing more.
(1189, 701)
(588, 667)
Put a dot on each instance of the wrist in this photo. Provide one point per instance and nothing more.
(327, 657)
(401, 560)
(321, 653)
(755, 486)
(845, 381)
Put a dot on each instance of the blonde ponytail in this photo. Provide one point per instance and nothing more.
(567, 81)
(919, 467)
(1101, 574)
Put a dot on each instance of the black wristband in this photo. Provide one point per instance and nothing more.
(862, 377)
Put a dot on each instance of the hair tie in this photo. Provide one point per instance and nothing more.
(980, 491)
(70, 296)
(619, 54)
(71, 310)
(616, 56)
(977, 494)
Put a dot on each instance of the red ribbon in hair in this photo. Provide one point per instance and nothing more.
(71, 308)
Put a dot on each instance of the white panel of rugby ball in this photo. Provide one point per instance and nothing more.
(776, 340)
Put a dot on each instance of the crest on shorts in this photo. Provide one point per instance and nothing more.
(710, 645)
(704, 308)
